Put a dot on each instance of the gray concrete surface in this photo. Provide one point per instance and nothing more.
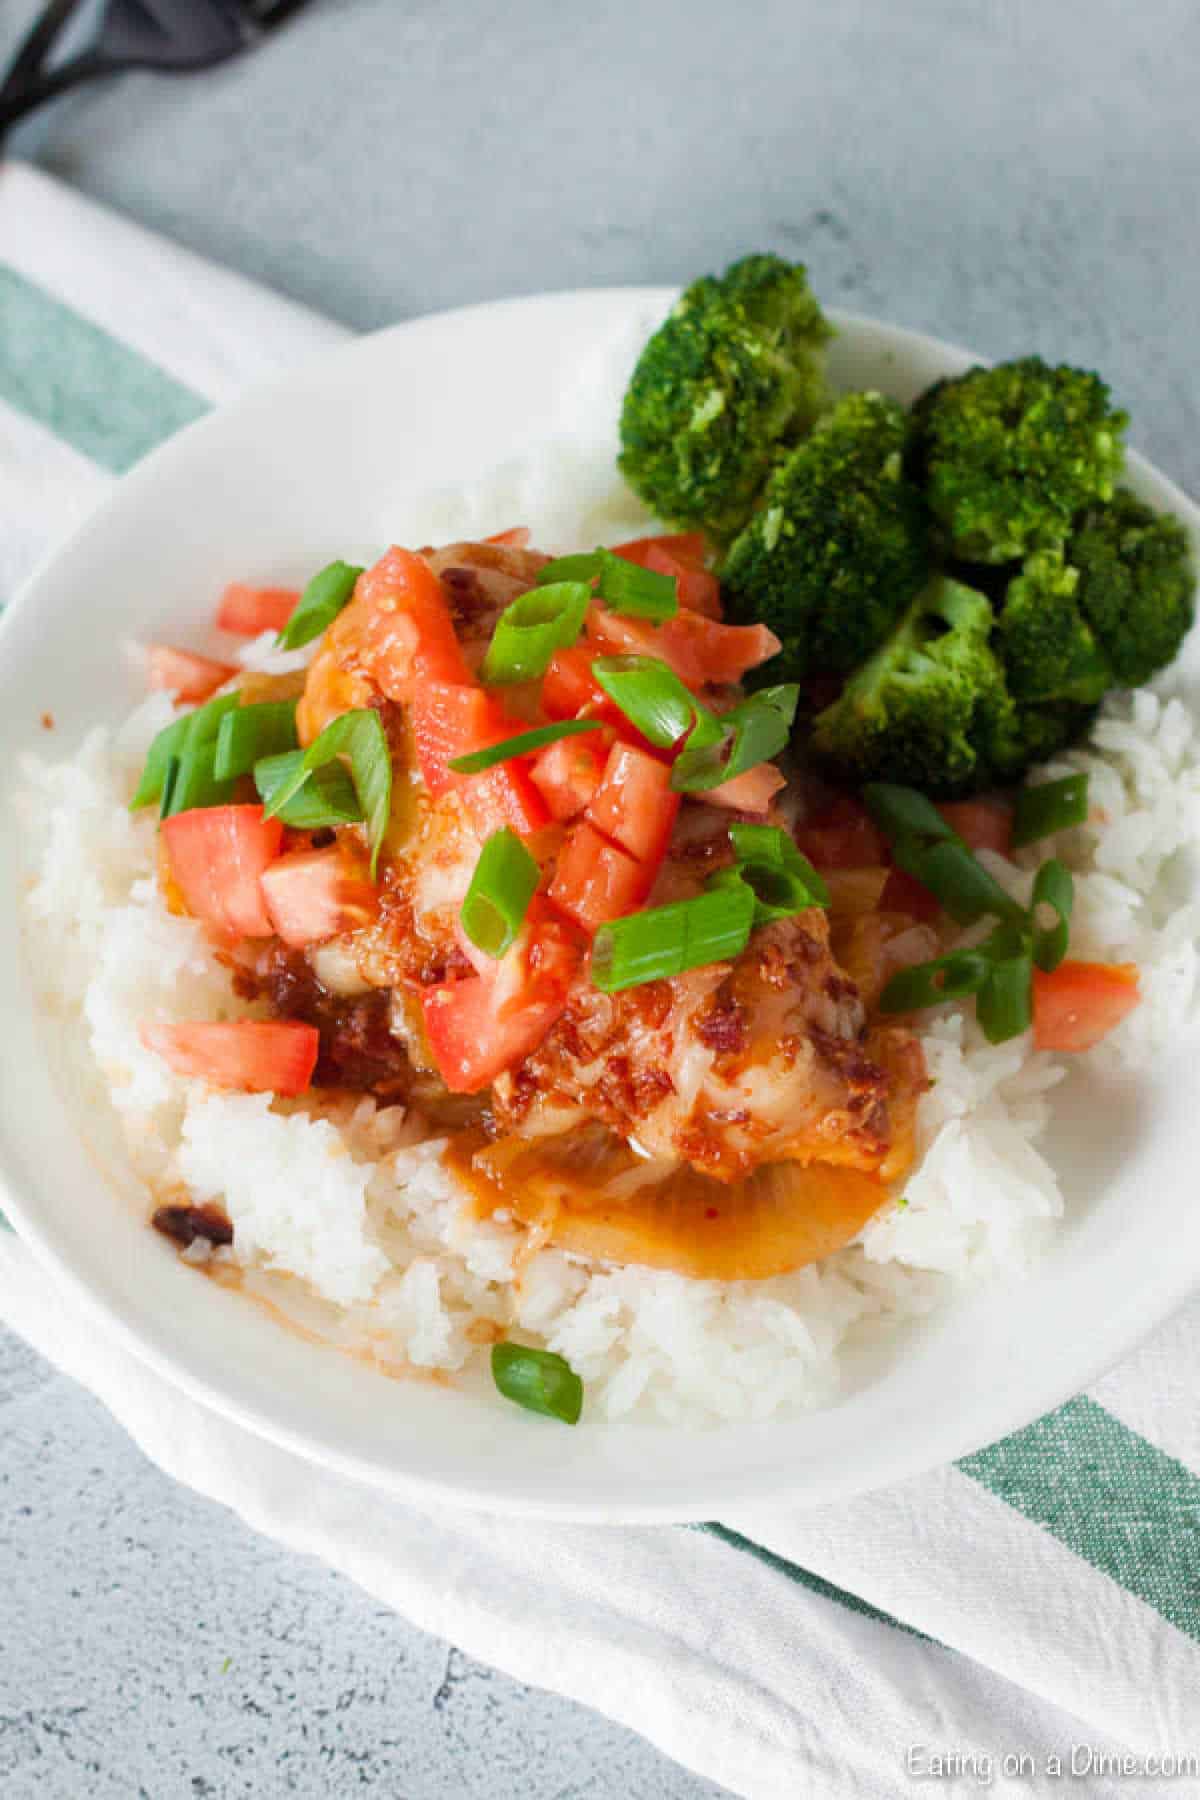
(1012, 176)
(151, 1646)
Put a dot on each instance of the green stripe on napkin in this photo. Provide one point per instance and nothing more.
(1110, 1496)
(805, 1578)
(86, 387)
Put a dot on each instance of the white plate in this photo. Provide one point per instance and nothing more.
(323, 464)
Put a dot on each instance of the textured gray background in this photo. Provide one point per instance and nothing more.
(1011, 176)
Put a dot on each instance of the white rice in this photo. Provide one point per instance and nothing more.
(357, 1231)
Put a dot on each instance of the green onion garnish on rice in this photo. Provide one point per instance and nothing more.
(952, 977)
(1049, 807)
(1053, 890)
(1004, 1004)
(926, 848)
(538, 1380)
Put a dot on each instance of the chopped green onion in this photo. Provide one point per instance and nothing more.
(926, 848)
(1053, 887)
(625, 587)
(523, 743)
(583, 566)
(1051, 806)
(193, 782)
(190, 779)
(167, 746)
(326, 798)
(902, 812)
(666, 940)
(779, 875)
(538, 1380)
(752, 732)
(248, 733)
(950, 977)
(651, 696)
(529, 631)
(319, 605)
(1004, 1004)
(505, 881)
(963, 886)
(359, 736)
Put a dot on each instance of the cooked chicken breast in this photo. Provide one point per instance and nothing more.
(723, 1071)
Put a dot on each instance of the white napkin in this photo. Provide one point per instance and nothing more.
(1039, 1601)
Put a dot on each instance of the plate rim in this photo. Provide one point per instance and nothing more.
(909, 1457)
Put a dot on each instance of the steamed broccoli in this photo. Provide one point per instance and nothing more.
(933, 709)
(838, 547)
(1025, 734)
(1048, 649)
(732, 378)
(1013, 454)
(928, 706)
(1137, 585)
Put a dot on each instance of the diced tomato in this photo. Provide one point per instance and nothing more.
(567, 774)
(569, 685)
(680, 555)
(595, 880)
(312, 895)
(249, 610)
(515, 538)
(217, 855)
(700, 650)
(1080, 1003)
(257, 1056)
(698, 588)
(505, 796)
(843, 837)
(982, 824)
(751, 792)
(634, 806)
(482, 1025)
(410, 635)
(184, 674)
(451, 719)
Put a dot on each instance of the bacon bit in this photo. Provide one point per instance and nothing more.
(722, 1026)
(184, 1224)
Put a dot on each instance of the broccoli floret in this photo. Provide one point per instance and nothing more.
(1013, 454)
(837, 549)
(1137, 585)
(1048, 649)
(1023, 735)
(733, 377)
(928, 706)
